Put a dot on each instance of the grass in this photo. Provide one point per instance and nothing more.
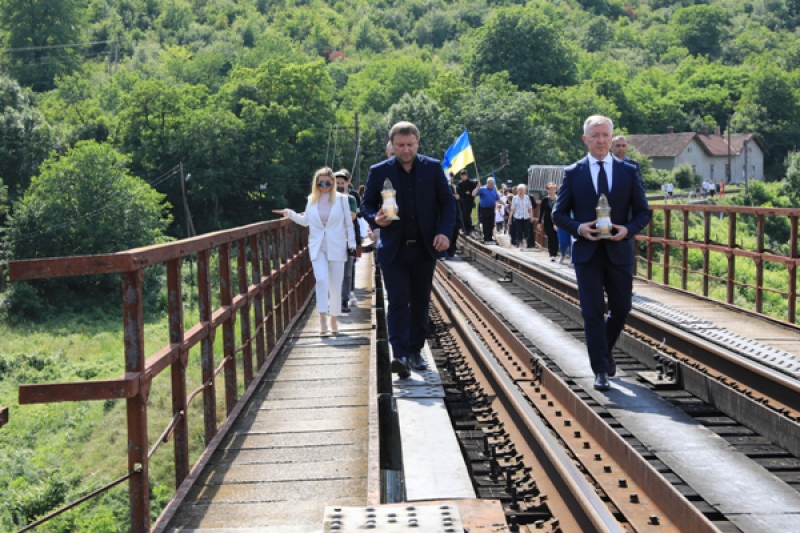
(50, 454)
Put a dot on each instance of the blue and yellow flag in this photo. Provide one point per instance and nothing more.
(459, 155)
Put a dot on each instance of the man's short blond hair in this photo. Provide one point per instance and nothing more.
(403, 128)
(596, 120)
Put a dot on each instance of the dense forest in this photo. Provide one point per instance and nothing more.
(249, 96)
(108, 107)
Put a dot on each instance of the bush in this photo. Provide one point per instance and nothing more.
(83, 203)
(684, 177)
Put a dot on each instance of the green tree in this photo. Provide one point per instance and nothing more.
(700, 28)
(25, 137)
(770, 107)
(525, 42)
(498, 118)
(434, 28)
(562, 111)
(36, 29)
(791, 183)
(285, 109)
(84, 202)
(426, 114)
(386, 79)
(684, 177)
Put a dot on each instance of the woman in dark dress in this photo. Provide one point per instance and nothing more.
(546, 220)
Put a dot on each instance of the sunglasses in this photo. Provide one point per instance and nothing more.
(325, 183)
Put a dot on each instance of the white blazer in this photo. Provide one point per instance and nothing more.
(338, 232)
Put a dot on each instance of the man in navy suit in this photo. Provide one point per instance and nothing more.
(619, 148)
(408, 248)
(602, 264)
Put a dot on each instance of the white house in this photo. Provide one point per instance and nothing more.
(707, 154)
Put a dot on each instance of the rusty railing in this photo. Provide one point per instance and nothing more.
(275, 285)
(682, 221)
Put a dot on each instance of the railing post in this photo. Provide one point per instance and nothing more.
(264, 270)
(706, 252)
(207, 345)
(731, 256)
(667, 235)
(247, 345)
(277, 271)
(760, 262)
(286, 288)
(685, 255)
(133, 327)
(293, 247)
(228, 336)
(267, 241)
(178, 371)
(792, 269)
(258, 249)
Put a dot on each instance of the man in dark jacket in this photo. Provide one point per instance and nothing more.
(408, 248)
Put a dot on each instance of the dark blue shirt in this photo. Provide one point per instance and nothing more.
(488, 197)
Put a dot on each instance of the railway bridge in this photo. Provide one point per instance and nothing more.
(303, 433)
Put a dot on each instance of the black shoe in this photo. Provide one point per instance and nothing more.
(601, 381)
(345, 308)
(417, 362)
(612, 365)
(400, 367)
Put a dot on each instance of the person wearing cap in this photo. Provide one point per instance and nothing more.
(341, 177)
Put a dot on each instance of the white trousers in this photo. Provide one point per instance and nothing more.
(329, 275)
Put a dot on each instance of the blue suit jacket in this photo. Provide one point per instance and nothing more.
(577, 200)
(436, 207)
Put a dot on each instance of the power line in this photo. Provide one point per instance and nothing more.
(56, 46)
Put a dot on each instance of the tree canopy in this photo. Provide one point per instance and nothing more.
(250, 97)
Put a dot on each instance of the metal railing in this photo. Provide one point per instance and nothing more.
(274, 286)
(656, 252)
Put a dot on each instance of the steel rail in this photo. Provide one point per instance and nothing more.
(578, 502)
(647, 500)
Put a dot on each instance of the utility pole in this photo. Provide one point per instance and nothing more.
(189, 224)
(746, 188)
(728, 171)
(504, 160)
(189, 230)
(355, 174)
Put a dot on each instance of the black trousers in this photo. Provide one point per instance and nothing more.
(486, 216)
(466, 214)
(552, 239)
(596, 277)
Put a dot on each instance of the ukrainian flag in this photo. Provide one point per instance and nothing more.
(459, 155)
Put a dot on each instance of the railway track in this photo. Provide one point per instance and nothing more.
(725, 375)
(537, 441)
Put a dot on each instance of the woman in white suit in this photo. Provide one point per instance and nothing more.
(331, 238)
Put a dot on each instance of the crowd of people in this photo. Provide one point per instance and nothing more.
(434, 209)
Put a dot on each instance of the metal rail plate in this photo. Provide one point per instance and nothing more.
(436, 518)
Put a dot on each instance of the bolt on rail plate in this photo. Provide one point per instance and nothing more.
(411, 518)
